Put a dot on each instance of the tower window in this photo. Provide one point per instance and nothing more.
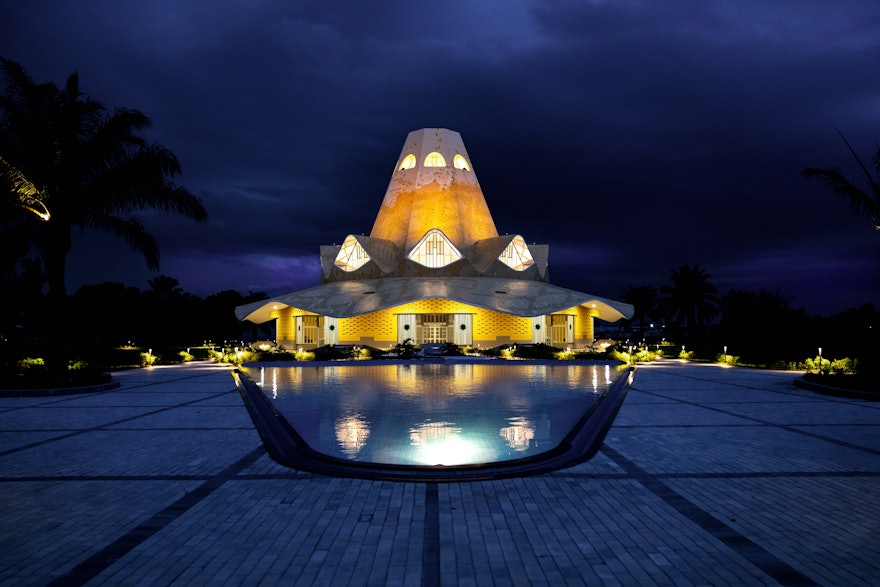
(517, 255)
(435, 159)
(434, 250)
(408, 162)
(351, 255)
(460, 162)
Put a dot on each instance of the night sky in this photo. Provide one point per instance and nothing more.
(631, 136)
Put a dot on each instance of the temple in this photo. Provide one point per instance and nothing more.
(434, 270)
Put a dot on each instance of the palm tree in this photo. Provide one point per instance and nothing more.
(861, 201)
(86, 167)
(691, 299)
(644, 300)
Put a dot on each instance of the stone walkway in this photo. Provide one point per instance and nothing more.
(710, 476)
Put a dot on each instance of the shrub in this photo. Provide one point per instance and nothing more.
(844, 366)
(726, 359)
(31, 364)
(148, 359)
(185, 357)
(535, 351)
(818, 365)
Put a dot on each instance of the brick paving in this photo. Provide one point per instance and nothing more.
(709, 476)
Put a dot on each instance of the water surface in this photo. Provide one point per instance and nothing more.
(433, 414)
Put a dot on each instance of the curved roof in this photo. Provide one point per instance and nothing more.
(344, 299)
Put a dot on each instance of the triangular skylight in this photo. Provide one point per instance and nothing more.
(434, 250)
(517, 255)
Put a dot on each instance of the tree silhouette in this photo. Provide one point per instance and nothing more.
(691, 300)
(88, 168)
(861, 201)
(645, 302)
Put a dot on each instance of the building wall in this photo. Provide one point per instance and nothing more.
(285, 326)
(379, 329)
(584, 333)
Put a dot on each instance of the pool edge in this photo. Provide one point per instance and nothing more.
(287, 447)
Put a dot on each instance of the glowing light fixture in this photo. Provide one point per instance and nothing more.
(460, 162)
(352, 255)
(517, 255)
(28, 196)
(408, 162)
(435, 159)
(434, 250)
(442, 443)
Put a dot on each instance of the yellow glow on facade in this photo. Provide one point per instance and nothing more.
(517, 255)
(408, 162)
(460, 162)
(485, 328)
(434, 250)
(435, 159)
(352, 255)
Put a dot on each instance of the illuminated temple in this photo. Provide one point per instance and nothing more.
(434, 270)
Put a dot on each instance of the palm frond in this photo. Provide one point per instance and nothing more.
(132, 231)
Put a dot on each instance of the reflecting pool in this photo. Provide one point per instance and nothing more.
(433, 414)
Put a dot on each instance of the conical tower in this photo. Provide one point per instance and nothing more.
(433, 187)
(433, 221)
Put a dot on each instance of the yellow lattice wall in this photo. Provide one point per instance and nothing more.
(381, 327)
(490, 328)
(377, 327)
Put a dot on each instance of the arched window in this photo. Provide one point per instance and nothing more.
(460, 162)
(435, 159)
(352, 255)
(408, 162)
(434, 250)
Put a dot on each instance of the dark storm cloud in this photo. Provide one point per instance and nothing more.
(631, 136)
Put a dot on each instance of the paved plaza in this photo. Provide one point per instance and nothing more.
(709, 476)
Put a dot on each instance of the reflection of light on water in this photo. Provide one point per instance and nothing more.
(262, 382)
(352, 433)
(518, 434)
(405, 378)
(441, 443)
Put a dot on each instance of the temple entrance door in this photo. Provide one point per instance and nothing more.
(310, 330)
(562, 329)
(434, 328)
